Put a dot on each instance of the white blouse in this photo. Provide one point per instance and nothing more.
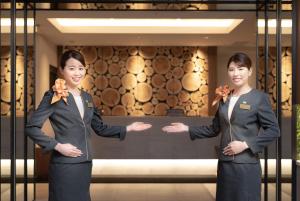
(79, 104)
(232, 102)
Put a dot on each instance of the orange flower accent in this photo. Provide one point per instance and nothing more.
(221, 93)
(60, 91)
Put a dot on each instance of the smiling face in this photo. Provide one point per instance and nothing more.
(73, 72)
(239, 75)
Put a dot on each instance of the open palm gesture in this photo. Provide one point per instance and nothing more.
(176, 128)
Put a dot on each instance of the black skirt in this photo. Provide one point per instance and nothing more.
(70, 182)
(238, 182)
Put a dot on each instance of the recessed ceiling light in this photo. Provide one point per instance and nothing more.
(150, 26)
(6, 23)
(286, 26)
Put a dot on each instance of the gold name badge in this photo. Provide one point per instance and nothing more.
(245, 106)
(89, 104)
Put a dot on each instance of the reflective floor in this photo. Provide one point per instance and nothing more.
(142, 192)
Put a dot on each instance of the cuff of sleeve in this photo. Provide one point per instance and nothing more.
(51, 145)
(191, 132)
(252, 146)
(122, 133)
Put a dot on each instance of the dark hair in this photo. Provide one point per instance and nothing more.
(241, 59)
(71, 54)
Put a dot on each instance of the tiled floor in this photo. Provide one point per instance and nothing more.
(143, 192)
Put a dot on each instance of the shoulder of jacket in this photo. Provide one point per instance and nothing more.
(49, 93)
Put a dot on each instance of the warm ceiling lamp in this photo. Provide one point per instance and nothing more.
(5, 25)
(286, 26)
(145, 26)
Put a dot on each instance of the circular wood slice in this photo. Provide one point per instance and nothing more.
(123, 71)
(148, 52)
(100, 66)
(175, 61)
(158, 80)
(143, 92)
(174, 86)
(187, 56)
(90, 54)
(19, 64)
(122, 90)
(271, 81)
(123, 55)
(115, 82)
(148, 63)
(188, 66)
(20, 80)
(262, 65)
(178, 72)
(287, 65)
(5, 108)
(5, 92)
(88, 82)
(133, 51)
(105, 53)
(106, 111)
(115, 58)
(18, 92)
(169, 75)
(203, 89)
(162, 94)
(191, 81)
(204, 76)
(205, 99)
(161, 109)
(110, 97)
(128, 100)
(172, 101)
(97, 101)
(191, 113)
(29, 100)
(119, 110)
(129, 81)
(135, 64)
(161, 65)
(196, 97)
(183, 96)
(177, 51)
(101, 82)
(149, 71)
(137, 113)
(114, 69)
(141, 77)
(148, 108)
(285, 92)
(4, 63)
(5, 52)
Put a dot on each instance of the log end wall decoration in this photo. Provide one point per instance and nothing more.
(141, 81)
(286, 77)
(5, 81)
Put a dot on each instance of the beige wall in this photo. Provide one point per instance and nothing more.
(46, 55)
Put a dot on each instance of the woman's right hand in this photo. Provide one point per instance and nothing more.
(68, 150)
(176, 128)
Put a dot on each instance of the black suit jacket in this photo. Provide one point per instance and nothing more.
(69, 127)
(251, 112)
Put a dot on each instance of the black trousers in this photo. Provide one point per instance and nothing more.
(238, 182)
(70, 182)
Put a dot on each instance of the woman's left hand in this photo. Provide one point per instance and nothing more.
(235, 147)
(138, 126)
